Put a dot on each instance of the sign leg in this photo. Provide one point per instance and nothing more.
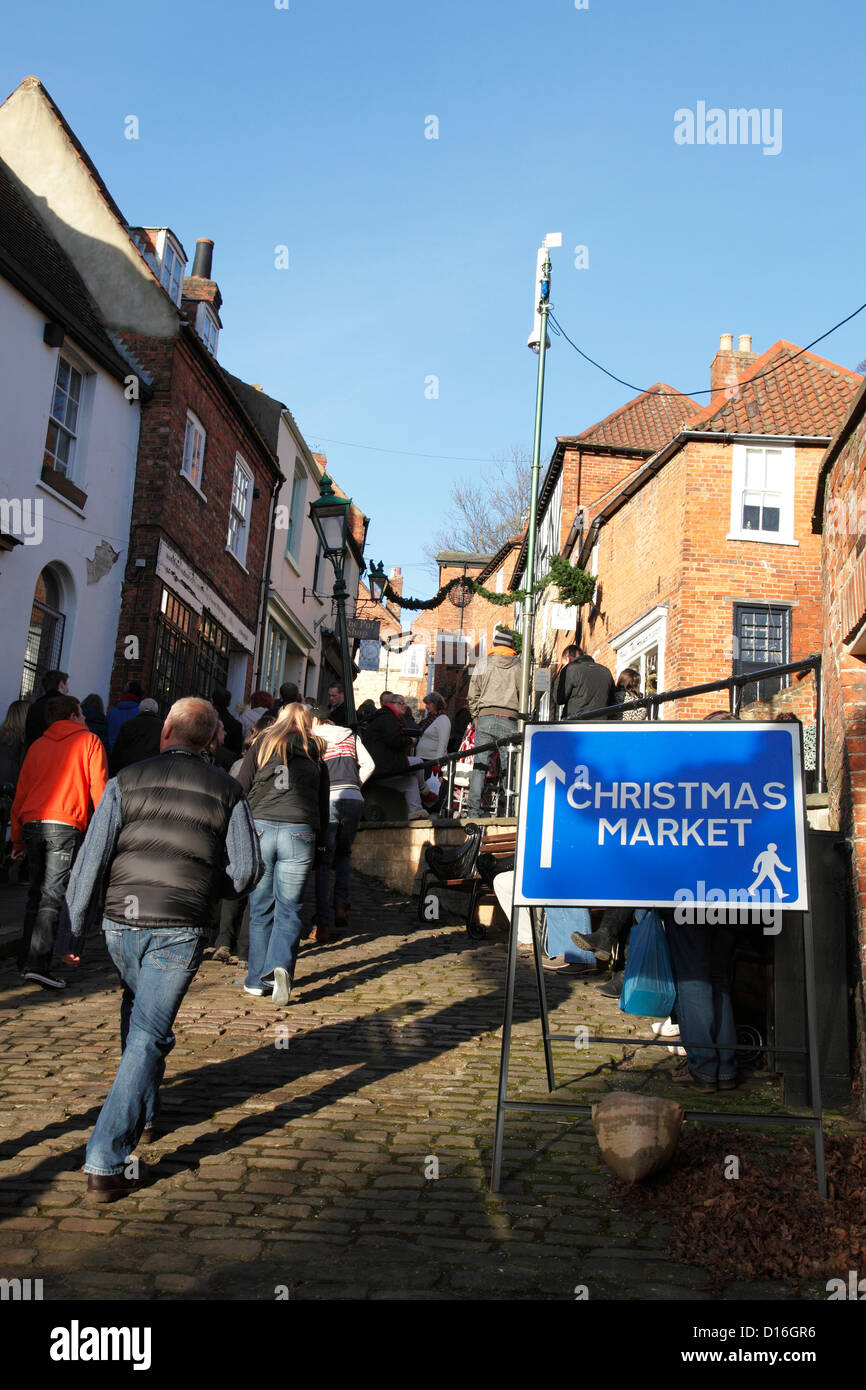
(499, 1130)
(812, 1044)
(542, 998)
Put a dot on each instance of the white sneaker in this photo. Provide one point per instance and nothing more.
(666, 1029)
(255, 989)
(282, 986)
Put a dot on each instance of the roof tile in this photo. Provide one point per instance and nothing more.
(794, 395)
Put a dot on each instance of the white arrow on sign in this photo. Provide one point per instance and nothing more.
(550, 774)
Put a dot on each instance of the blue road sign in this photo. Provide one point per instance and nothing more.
(650, 814)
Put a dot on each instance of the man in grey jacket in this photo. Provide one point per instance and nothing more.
(494, 702)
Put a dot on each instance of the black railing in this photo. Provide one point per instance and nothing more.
(732, 684)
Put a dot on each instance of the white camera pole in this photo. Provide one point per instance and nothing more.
(539, 343)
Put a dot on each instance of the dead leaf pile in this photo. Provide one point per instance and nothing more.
(768, 1222)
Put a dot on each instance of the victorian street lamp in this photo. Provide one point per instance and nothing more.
(376, 581)
(330, 516)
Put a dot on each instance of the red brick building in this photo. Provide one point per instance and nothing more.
(456, 638)
(706, 561)
(202, 515)
(585, 469)
(839, 519)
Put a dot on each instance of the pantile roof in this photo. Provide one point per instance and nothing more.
(803, 395)
(646, 422)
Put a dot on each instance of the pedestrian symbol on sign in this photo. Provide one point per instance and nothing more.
(765, 866)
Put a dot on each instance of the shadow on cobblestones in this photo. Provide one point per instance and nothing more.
(336, 1149)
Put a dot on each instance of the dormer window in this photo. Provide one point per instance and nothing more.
(172, 268)
(165, 256)
(207, 327)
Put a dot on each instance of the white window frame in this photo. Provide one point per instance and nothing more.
(295, 528)
(319, 571)
(72, 469)
(194, 427)
(171, 268)
(786, 457)
(500, 581)
(207, 327)
(639, 638)
(242, 530)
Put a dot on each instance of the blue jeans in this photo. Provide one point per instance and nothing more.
(487, 727)
(51, 851)
(342, 829)
(275, 902)
(703, 959)
(157, 966)
(561, 922)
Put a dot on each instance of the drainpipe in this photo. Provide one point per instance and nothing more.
(263, 590)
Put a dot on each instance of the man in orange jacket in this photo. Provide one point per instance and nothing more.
(61, 780)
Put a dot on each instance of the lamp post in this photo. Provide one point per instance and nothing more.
(539, 343)
(330, 516)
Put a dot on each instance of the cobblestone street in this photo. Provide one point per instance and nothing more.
(300, 1145)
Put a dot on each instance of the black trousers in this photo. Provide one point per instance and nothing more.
(232, 912)
(51, 851)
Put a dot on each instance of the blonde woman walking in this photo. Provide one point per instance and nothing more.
(287, 785)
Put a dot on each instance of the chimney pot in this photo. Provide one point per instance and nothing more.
(201, 268)
(726, 342)
(744, 342)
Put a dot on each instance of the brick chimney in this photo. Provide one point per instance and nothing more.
(729, 366)
(395, 579)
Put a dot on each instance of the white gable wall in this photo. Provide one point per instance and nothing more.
(106, 472)
(61, 188)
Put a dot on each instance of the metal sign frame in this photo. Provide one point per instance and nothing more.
(757, 1119)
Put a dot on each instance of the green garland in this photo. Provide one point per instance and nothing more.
(515, 596)
(574, 584)
(416, 604)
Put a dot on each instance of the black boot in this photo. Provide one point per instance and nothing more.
(599, 942)
(613, 988)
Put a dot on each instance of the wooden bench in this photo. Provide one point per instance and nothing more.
(457, 868)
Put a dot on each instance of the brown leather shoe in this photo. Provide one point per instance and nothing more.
(321, 934)
(108, 1187)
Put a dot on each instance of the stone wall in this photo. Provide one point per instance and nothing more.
(392, 851)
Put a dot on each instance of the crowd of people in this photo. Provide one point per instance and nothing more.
(171, 832)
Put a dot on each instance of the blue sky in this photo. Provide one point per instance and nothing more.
(411, 257)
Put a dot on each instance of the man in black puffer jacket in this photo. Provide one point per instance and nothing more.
(169, 838)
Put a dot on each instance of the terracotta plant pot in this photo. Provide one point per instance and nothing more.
(637, 1135)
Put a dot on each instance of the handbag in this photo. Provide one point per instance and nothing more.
(649, 987)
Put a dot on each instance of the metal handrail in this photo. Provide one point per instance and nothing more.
(652, 703)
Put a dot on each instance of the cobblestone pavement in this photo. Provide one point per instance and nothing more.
(301, 1143)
